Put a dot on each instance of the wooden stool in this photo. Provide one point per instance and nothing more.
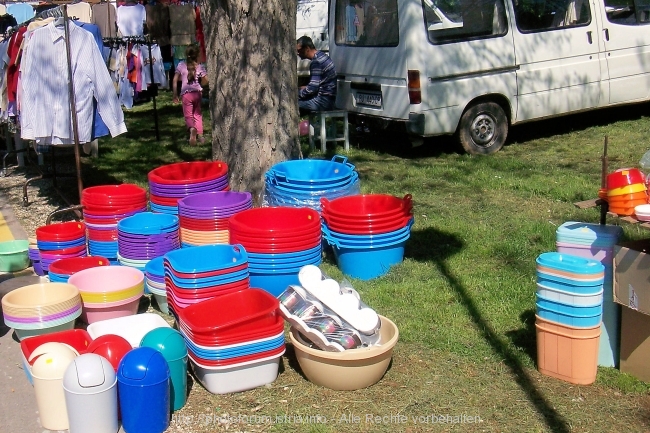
(318, 120)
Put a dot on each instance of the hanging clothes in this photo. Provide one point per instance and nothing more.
(104, 15)
(21, 11)
(80, 12)
(131, 19)
(158, 23)
(7, 21)
(45, 113)
(159, 76)
(182, 24)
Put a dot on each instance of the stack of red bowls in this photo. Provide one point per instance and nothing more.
(367, 232)
(170, 183)
(279, 242)
(195, 274)
(626, 189)
(103, 207)
(60, 241)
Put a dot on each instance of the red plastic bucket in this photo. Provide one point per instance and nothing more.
(113, 195)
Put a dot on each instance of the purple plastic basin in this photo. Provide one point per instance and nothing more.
(217, 200)
(190, 183)
(185, 189)
(43, 318)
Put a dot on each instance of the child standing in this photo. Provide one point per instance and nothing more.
(192, 76)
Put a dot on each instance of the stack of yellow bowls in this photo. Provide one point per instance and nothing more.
(626, 189)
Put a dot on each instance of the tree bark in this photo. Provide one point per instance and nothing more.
(251, 62)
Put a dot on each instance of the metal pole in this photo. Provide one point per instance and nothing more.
(73, 105)
(155, 91)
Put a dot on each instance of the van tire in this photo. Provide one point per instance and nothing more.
(483, 129)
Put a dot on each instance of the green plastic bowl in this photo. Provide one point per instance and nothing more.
(13, 256)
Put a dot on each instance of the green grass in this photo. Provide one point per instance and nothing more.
(464, 296)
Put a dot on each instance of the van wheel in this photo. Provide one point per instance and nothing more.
(483, 129)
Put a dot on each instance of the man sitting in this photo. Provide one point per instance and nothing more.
(320, 93)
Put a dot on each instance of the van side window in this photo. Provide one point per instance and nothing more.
(456, 20)
(542, 15)
(366, 23)
(628, 12)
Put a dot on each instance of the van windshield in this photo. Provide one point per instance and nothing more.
(369, 23)
(455, 20)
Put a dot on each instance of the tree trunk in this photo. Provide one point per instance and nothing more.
(251, 62)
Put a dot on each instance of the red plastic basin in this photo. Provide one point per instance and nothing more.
(275, 221)
(69, 266)
(367, 206)
(250, 308)
(78, 339)
(61, 232)
(182, 173)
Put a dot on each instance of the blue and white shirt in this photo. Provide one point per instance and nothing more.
(322, 81)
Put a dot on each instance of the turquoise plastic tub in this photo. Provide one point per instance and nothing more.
(568, 285)
(579, 321)
(14, 256)
(569, 263)
(368, 263)
(569, 309)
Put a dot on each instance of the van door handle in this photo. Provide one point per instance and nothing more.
(589, 38)
(606, 34)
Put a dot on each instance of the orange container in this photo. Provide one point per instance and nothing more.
(630, 189)
(626, 204)
(566, 352)
(621, 211)
(643, 195)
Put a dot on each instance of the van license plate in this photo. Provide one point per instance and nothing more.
(372, 100)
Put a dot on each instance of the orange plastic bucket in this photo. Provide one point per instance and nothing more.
(567, 353)
(643, 195)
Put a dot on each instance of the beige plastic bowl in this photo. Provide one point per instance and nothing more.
(40, 298)
(351, 369)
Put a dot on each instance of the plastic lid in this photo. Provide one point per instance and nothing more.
(167, 341)
(88, 373)
(143, 366)
(50, 360)
(590, 231)
(570, 263)
(110, 346)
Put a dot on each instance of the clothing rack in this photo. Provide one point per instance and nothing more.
(154, 86)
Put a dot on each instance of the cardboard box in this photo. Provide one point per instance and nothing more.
(632, 275)
(635, 344)
(632, 291)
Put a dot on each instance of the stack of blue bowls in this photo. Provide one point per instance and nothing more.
(569, 290)
(302, 183)
(154, 282)
(145, 236)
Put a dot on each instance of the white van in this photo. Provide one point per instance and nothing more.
(474, 67)
(311, 20)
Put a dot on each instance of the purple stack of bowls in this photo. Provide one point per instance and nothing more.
(204, 216)
(60, 241)
(195, 274)
(35, 256)
(103, 207)
(145, 236)
(170, 183)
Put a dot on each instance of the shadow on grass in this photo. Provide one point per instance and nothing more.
(435, 246)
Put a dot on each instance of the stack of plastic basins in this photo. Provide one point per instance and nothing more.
(234, 341)
(303, 182)
(569, 312)
(154, 282)
(367, 232)
(204, 216)
(195, 274)
(145, 236)
(59, 241)
(596, 242)
(170, 183)
(35, 256)
(61, 270)
(103, 207)
(626, 189)
(279, 242)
